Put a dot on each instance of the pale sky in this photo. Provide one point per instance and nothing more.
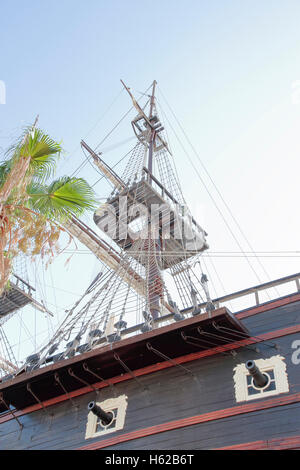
(230, 72)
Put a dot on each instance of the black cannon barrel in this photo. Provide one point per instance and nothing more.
(106, 417)
(259, 379)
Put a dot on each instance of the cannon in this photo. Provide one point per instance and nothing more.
(106, 417)
(260, 380)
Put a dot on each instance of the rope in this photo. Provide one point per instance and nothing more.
(220, 195)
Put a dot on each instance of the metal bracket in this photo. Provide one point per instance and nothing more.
(29, 389)
(242, 336)
(71, 373)
(57, 379)
(86, 368)
(187, 338)
(11, 411)
(158, 353)
(117, 358)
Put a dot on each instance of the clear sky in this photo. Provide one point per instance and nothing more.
(229, 70)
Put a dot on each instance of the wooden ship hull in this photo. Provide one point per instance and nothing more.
(179, 387)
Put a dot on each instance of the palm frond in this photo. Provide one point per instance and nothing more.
(43, 152)
(4, 170)
(64, 197)
(40, 148)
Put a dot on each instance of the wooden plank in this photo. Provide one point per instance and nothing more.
(220, 414)
(290, 442)
(268, 307)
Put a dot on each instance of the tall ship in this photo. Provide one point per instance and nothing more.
(148, 357)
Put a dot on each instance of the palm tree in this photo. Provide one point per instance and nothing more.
(32, 210)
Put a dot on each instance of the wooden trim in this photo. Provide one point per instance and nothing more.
(252, 290)
(204, 418)
(281, 443)
(157, 367)
(269, 306)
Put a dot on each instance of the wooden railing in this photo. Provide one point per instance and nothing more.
(294, 280)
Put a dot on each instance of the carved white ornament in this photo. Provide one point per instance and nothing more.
(119, 404)
(275, 363)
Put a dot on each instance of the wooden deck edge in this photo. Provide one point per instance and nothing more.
(268, 306)
(156, 367)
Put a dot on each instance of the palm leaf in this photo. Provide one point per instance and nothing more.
(40, 148)
(43, 152)
(62, 198)
(4, 170)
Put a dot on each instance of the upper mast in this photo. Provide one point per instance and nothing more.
(153, 132)
(149, 130)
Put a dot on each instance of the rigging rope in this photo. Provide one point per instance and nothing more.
(215, 204)
(218, 192)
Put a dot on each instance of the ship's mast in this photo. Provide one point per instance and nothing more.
(154, 245)
(156, 251)
(151, 124)
(151, 247)
(152, 132)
